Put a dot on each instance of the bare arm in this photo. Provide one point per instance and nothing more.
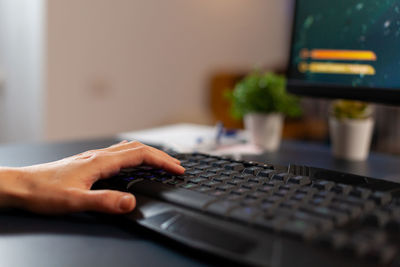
(64, 186)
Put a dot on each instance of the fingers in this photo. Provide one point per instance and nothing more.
(144, 155)
(107, 201)
(123, 145)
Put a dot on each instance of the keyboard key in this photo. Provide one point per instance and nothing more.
(230, 173)
(300, 180)
(209, 175)
(320, 223)
(197, 180)
(253, 170)
(244, 176)
(203, 189)
(208, 160)
(324, 185)
(267, 189)
(343, 189)
(283, 177)
(216, 170)
(234, 167)
(377, 218)
(241, 191)
(335, 239)
(360, 192)
(221, 207)
(193, 172)
(245, 214)
(266, 173)
(226, 187)
(381, 198)
(211, 183)
(222, 178)
(220, 163)
(189, 186)
(299, 229)
(236, 181)
(339, 218)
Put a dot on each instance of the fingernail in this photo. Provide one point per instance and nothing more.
(125, 203)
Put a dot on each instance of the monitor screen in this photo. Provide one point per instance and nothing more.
(346, 49)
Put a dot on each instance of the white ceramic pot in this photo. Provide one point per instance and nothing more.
(264, 129)
(351, 138)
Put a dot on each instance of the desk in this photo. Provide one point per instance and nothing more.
(85, 240)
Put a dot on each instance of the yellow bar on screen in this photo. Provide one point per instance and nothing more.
(337, 68)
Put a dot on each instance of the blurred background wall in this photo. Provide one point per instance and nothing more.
(87, 68)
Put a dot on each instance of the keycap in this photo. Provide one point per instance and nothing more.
(338, 218)
(222, 178)
(197, 180)
(203, 167)
(335, 239)
(220, 163)
(189, 186)
(353, 211)
(208, 160)
(193, 172)
(208, 175)
(235, 181)
(203, 189)
(323, 185)
(221, 207)
(241, 191)
(299, 229)
(244, 213)
(216, 170)
(342, 189)
(244, 176)
(229, 173)
(253, 170)
(381, 198)
(266, 173)
(300, 180)
(361, 192)
(283, 177)
(376, 218)
(320, 223)
(225, 187)
(211, 183)
(251, 185)
(234, 167)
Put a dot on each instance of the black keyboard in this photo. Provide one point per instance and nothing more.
(263, 214)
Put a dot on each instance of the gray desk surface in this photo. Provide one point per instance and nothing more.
(85, 240)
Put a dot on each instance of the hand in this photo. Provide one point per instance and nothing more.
(64, 186)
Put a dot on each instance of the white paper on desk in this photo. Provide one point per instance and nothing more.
(180, 137)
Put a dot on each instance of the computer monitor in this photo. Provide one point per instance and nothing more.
(346, 49)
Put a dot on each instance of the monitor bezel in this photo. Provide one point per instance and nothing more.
(333, 91)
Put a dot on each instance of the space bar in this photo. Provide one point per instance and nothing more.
(171, 194)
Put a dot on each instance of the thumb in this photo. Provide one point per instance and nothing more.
(108, 201)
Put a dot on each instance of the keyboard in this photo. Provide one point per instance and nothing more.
(267, 215)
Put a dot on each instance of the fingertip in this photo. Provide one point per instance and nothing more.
(127, 203)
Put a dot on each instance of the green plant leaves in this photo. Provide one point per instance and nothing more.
(263, 93)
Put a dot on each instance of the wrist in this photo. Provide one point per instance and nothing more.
(11, 187)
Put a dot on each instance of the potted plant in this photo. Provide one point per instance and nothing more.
(350, 125)
(261, 99)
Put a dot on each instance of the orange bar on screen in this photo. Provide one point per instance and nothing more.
(326, 54)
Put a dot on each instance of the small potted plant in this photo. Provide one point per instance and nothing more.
(351, 125)
(261, 99)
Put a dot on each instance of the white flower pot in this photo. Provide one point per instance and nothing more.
(351, 138)
(264, 129)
